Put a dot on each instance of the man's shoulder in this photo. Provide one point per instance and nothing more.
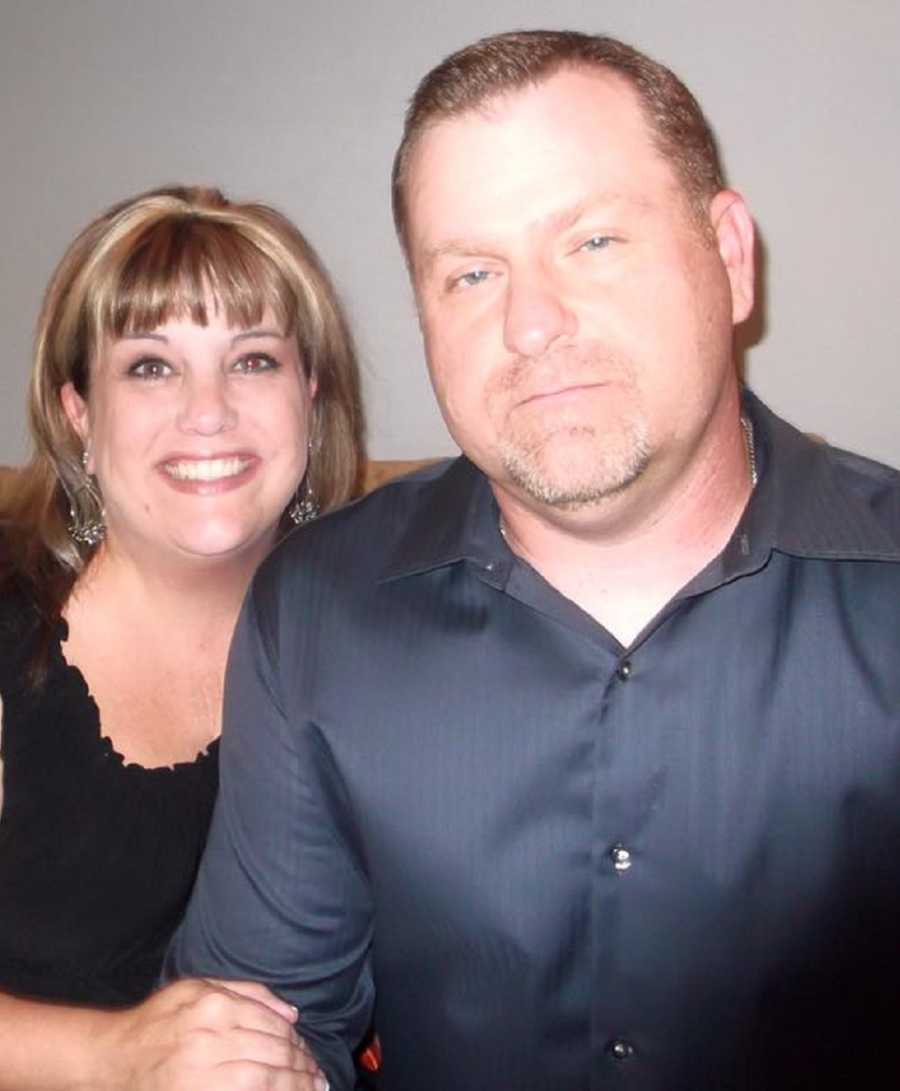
(825, 501)
(865, 473)
(872, 486)
(386, 512)
(359, 541)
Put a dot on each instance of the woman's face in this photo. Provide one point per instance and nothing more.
(197, 436)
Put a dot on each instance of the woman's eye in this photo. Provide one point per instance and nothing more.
(255, 362)
(150, 368)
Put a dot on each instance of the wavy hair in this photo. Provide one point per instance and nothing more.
(153, 257)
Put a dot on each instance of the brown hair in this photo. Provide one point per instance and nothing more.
(469, 78)
(156, 256)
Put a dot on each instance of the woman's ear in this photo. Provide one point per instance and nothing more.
(733, 227)
(76, 410)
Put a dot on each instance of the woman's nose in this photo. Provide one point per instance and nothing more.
(206, 409)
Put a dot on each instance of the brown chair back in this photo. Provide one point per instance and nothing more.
(380, 471)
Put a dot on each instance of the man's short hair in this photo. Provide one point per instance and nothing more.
(471, 77)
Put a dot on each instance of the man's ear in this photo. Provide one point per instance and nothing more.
(733, 227)
(76, 410)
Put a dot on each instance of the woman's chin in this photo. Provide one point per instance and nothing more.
(227, 543)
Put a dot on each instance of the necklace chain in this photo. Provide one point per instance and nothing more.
(750, 444)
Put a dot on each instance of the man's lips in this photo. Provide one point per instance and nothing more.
(561, 393)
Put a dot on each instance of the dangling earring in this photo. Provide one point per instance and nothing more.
(304, 507)
(86, 525)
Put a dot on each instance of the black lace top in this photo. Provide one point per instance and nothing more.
(97, 857)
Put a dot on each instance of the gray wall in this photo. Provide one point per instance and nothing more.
(300, 104)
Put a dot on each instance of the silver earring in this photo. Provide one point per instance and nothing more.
(86, 523)
(304, 507)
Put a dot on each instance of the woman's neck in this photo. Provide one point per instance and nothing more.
(183, 598)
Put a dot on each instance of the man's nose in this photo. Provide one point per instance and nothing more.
(536, 314)
(206, 407)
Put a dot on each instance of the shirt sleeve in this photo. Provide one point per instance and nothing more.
(281, 896)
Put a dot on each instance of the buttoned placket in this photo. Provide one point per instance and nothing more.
(614, 1039)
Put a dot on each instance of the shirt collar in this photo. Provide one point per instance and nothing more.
(454, 518)
(814, 500)
(811, 501)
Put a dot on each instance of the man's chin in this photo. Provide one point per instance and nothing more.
(571, 483)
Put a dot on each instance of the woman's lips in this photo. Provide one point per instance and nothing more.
(209, 475)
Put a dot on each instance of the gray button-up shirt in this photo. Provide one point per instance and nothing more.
(549, 861)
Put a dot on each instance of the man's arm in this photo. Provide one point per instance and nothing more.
(281, 897)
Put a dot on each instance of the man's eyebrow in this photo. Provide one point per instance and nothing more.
(559, 220)
(565, 218)
(568, 217)
(456, 248)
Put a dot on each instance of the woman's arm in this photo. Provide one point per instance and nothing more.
(195, 1033)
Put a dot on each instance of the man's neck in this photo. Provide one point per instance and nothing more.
(623, 559)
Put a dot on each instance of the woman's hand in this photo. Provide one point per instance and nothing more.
(215, 1035)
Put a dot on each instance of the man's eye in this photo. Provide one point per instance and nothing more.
(150, 368)
(470, 280)
(255, 362)
(596, 242)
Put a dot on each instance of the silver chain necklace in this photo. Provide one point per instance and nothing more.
(750, 444)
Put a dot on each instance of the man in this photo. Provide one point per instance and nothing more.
(577, 758)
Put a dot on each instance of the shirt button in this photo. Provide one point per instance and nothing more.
(620, 1050)
(624, 671)
(620, 857)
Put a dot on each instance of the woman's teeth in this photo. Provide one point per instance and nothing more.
(207, 469)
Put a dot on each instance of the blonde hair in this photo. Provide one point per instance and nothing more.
(156, 256)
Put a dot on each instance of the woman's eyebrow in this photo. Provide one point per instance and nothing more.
(245, 335)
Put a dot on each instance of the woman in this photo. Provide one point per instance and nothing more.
(194, 394)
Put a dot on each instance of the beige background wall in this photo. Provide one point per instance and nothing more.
(300, 103)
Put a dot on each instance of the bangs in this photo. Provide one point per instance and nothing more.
(177, 266)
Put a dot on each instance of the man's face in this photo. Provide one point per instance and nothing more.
(577, 319)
